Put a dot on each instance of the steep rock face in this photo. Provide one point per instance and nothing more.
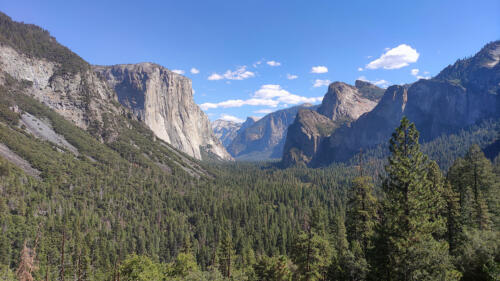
(265, 138)
(341, 105)
(344, 103)
(305, 135)
(368, 90)
(78, 96)
(163, 100)
(225, 130)
(461, 95)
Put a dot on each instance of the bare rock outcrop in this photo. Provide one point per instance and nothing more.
(163, 100)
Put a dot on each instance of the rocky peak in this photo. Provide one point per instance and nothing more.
(480, 72)
(163, 100)
(344, 103)
(369, 91)
(225, 130)
(304, 137)
(264, 138)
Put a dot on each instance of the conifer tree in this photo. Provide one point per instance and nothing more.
(412, 220)
(361, 213)
(26, 264)
(312, 252)
(473, 178)
(226, 255)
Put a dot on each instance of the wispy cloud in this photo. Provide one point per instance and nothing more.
(267, 95)
(263, 111)
(291, 76)
(257, 63)
(273, 63)
(232, 118)
(319, 69)
(395, 58)
(416, 71)
(178, 71)
(321, 83)
(240, 73)
(194, 71)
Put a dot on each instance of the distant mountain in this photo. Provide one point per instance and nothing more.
(225, 130)
(461, 95)
(163, 100)
(341, 105)
(265, 138)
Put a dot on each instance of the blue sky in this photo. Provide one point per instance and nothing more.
(251, 49)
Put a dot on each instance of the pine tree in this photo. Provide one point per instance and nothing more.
(473, 178)
(411, 218)
(361, 213)
(26, 264)
(312, 252)
(226, 255)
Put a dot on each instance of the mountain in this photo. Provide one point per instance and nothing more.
(52, 94)
(342, 105)
(305, 135)
(56, 77)
(163, 100)
(225, 130)
(265, 138)
(461, 95)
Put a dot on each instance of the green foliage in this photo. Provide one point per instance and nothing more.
(312, 253)
(411, 215)
(36, 42)
(479, 257)
(473, 178)
(273, 269)
(114, 200)
(362, 213)
(140, 268)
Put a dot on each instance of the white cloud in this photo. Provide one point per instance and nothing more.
(291, 76)
(395, 58)
(232, 118)
(360, 69)
(194, 71)
(263, 111)
(257, 63)
(321, 83)
(273, 63)
(240, 73)
(178, 71)
(415, 72)
(319, 69)
(267, 95)
(423, 77)
(215, 76)
(381, 83)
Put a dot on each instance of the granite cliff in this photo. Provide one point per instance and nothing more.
(265, 138)
(163, 100)
(342, 105)
(461, 95)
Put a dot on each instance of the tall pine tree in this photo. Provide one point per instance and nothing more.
(411, 218)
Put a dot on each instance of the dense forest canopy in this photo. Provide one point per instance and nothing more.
(135, 209)
(97, 220)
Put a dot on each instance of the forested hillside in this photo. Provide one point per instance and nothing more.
(88, 192)
(105, 217)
